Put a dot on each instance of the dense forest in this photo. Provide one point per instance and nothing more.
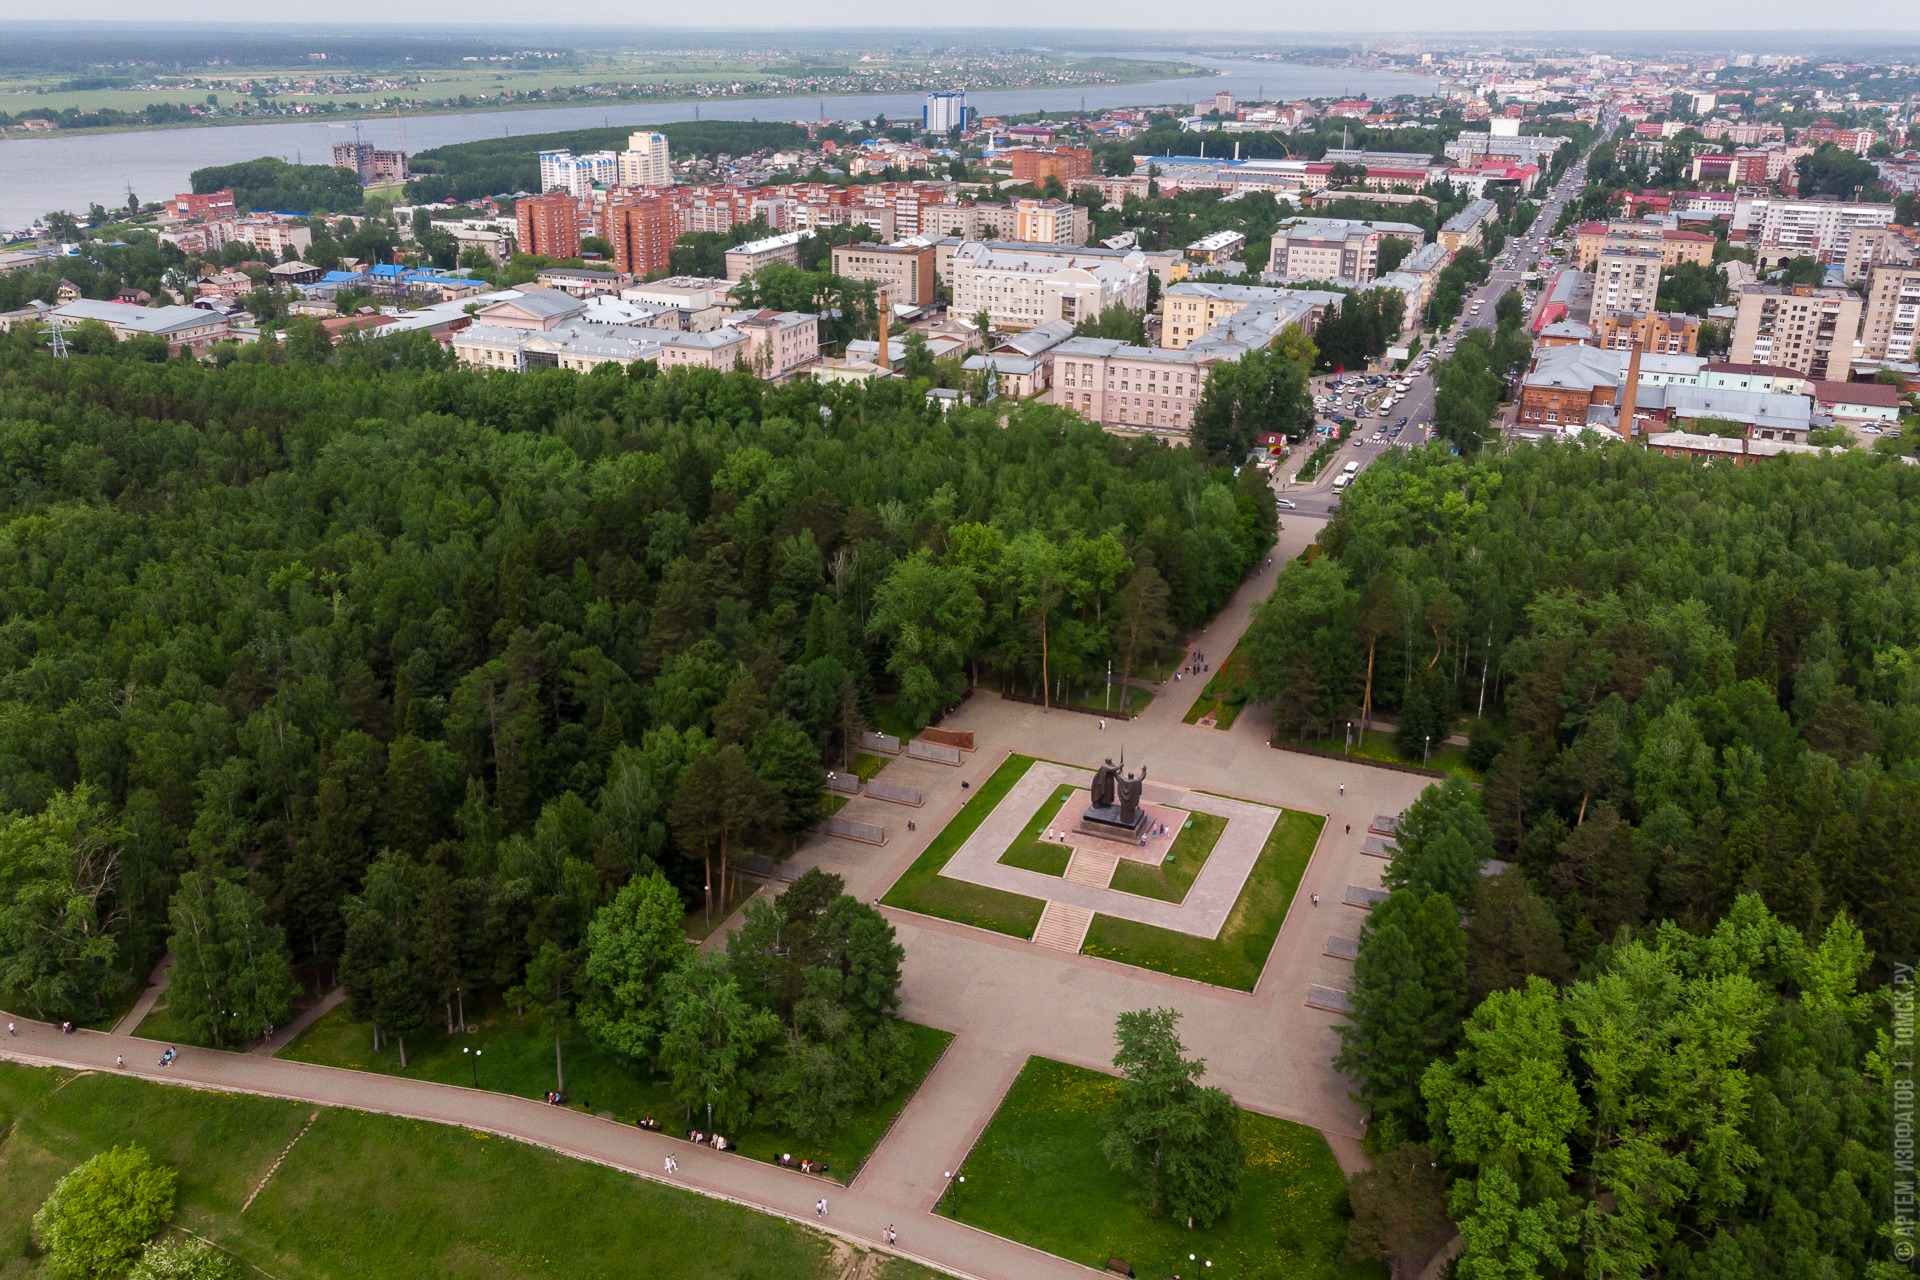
(357, 630)
(1647, 1044)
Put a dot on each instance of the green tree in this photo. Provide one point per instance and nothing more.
(931, 617)
(60, 907)
(172, 1259)
(100, 1215)
(635, 943)
(1166, 1128)
(722, 803)
(1399, 1209)
(1117, 323)
(548, 993)
(1409, 997)
(231, 980)
(711, 1039)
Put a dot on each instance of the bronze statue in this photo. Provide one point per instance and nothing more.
(1129, 788)
(1103, 784)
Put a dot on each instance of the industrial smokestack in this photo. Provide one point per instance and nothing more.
(1629, 392)
(885, 307)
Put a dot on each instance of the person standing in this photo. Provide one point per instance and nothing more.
(1343, 788)
(10, 1030)
(891, 1238)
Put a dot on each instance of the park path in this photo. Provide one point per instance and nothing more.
(284, 1036)
(149, 997)
(860, 1214)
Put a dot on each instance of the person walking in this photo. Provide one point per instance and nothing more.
(10, 1031)
(1315, 897)
(1349, 828)
(1343, 788)
(823, 1208)
(667, 1164)
(118, 1062)
(891, 1238)
(819, 1208)
(1103, 726)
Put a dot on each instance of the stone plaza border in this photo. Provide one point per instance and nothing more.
(1209, 900)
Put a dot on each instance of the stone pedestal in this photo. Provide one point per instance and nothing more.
(1109, 823)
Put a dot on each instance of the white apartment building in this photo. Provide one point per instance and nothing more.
(1020, 290)
(1891, 330)
(1824, 229)
(944, 111)
(1335, 248)
(1127, 387)
(645, 162)
(1626, 277)
(578, 175)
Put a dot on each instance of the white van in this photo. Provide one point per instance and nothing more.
(1340, 482)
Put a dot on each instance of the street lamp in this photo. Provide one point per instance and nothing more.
(1349, 746)
(1426, 752)
(473, 1062)
(952, 1193)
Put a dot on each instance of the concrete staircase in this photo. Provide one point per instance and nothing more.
(1091, 867)
(1063, 927)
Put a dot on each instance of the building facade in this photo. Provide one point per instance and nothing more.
(548, 225)
(1626, 277)
(1127, 387)
(944, 112)
(645, 162)
(1805, 328)
(1335, 248)
(1663, 332)
(904, 271)
(1020, 290)
(1892, 326)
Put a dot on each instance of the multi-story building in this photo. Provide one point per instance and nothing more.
(1805, 328)
(1821, 228)
(1467, 229)
(1019, 290)
(905, 271)
(578, 175)
(1335, 248)
(1892, 327)
(780, 342)
(1131, 388)
(745, 259)
(370, 162)
(1190, 310)
(183, 328)
(548, 225)
(1675, 246)
(1063, 163)
(1857, 140)
(208, 204)
(1625, 278)
(1662, 332)
(645, 162)
(641, 233)
(1049, 222)
(1217, 249)
(944, 112)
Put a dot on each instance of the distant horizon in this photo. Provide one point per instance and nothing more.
(1854, 25)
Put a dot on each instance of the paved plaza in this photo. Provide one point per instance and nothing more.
(1208, 901)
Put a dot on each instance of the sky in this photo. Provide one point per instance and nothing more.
(1223, 17)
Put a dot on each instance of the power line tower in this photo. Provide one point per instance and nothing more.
(57, 340)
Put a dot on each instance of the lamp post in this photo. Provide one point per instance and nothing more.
(1426, 752)
(1349, 746)
(473, 1062)
(952, 1193)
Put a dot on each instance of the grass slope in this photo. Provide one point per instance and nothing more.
(922, 888)
(379, 1198)
(516, 1057)
(1237, 956)
(1169, 881)
(1037, 1176)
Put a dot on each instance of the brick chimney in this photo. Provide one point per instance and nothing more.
(1630, 391)
(885, 306)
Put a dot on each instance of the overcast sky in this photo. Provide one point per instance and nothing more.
(1844, 18)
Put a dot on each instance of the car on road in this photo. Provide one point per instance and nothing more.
(1286, 504)
(1399, 422)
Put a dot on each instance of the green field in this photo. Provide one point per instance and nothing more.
(516, 1056)
(379, 1198)
(1237, 956)
(1173, 876)
(1037, 1176)
(922, 888)
(1035, 854)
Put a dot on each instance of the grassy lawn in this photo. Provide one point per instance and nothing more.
(376, 1197)
(1037, 1176)
(1030, 851)
(866, 764)
(517, 1058)
(925, 890)
(164, 1025)
(1225, 692)
(1237, 956)
(1170, 880)
(1445, 758)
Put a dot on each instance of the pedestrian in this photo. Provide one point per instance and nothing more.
(823, 1208)
(1349, 828)
(1315, 897)
(891, 1238)
(1343, 788)
(118, 1062)
(819, 1208)
(1103, 726)
(667, 1164)
(10, 1030)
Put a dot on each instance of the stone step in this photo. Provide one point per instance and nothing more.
(1063, 927)
(1092, 867)
(1332, 999)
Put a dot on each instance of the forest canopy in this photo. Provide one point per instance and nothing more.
(291, 617)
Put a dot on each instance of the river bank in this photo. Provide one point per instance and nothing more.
(70, 172)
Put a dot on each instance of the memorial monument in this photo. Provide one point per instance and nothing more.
(1115, 812)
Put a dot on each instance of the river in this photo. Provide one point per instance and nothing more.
(38, 175)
